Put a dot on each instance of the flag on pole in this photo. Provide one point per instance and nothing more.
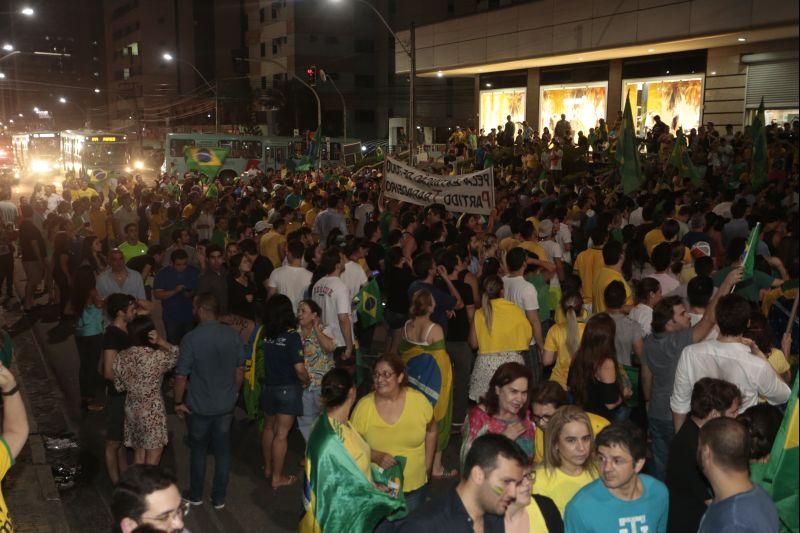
(370, 310)
(680, 159)
(749, 259)
(205, 160)
(780, 477)
(336, 494)
(758, 169)
(627, 153)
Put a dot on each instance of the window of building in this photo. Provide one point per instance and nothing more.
(263, 49)
(365, 81)
(365, 115)
(134, 48)
(126, 73)
(263, 82)
(364, 46)
(262, 14)
(274, 13)
(451, 7)
(278, 78)
(331, 39)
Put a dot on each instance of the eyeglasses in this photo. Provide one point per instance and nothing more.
(382, 375)
(542, 418)
(168, 516)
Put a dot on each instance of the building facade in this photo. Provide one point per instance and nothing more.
(691, 62)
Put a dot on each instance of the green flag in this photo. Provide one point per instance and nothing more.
(780, 477)
(627, 154)
(205, 160)
(680, 159)
(370, 308)
(749, 260)
(336, 494)
(758, 168)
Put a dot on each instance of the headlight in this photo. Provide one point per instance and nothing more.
(138, 165)
(37, 165)
(128, 170)
(3, 153)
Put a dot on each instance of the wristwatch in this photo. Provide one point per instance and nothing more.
(12, 392)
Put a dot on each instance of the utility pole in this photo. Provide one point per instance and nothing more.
(412, 123)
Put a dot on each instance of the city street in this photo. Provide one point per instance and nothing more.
(50, 380)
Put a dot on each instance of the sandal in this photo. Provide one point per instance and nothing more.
(288, 481)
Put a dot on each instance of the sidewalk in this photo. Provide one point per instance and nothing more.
(33, 500)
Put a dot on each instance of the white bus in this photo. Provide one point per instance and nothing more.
(244, 151)
(37, 152)
(88, 152)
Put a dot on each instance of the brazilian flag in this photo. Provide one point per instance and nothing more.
(679, 158)
(253, 374)
(337, 496)
(749, 260)
(98, 179)
(370, 310)
(205, 160)
(627, 154)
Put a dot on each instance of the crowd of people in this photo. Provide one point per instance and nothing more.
(566, 343)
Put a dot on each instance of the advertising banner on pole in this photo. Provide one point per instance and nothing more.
(465, 193)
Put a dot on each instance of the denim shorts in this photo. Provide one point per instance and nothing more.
(282, 399)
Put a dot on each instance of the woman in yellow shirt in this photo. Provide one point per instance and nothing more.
(531, 513)
(397, 421)
(568, 456)
(502, 331)
(563, 339)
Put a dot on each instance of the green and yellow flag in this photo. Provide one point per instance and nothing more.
(370, 308)
(336, 494)
(758, 171)
(253, 373)
(679, 158)
(205, 160)
(749, 260)
(780, 477)
(627, 154)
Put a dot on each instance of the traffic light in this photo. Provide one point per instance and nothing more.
(311, 72)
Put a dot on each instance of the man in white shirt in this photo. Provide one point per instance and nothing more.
(731, 357)
(520, 291)
(353, 276)
(332, 296)
(363, 213)
(291, 280)
(204, 225)
(553, 249)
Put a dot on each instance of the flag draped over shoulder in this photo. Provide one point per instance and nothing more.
(679, 158)
(627, 154)
(780, 477)
(205, 160)
(758, 171)
(370, 310)
(429, 371)
(337, 496)
(253, 373)
(749, 261)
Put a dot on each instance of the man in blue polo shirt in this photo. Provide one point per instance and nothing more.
(622, 499)
(174, 286)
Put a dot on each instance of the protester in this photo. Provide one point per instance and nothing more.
(318, 346)
(87, 306)
(146, 496)
(175, 285)
(14, 434)
(532, 512)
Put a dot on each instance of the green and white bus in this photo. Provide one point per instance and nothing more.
(244, 151)
(37, 152)
(89, 152)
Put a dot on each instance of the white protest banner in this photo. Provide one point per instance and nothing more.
(466, 193)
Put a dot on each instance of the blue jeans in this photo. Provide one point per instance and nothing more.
(661, 434)
(213, 431)
(416, 497)
(311, 410)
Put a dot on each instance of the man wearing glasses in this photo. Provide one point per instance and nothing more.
(622, 499)
(146, 495)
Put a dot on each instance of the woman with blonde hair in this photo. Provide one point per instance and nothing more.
(428, 369)
(502, 331)
(563, 338)
(568, 463)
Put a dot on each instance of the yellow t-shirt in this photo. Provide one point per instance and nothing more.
(511, 330)
(311, 216)
(405, 438)
(305, 207)
(188, 211)
(535, 222)
(88, 192)
(98, 221)
(559, 486)
(603, 279)
(6, 461)
(556, 341)
(269, 244)
(587, 264)
(509, 243)
(155, 223)
(536, 248)
(535, 518)
(597, 422)
(653, 238)
(777, 360)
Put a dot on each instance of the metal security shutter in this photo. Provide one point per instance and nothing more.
(776, 82)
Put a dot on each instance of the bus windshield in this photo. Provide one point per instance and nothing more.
(44, 147)
(98, 154)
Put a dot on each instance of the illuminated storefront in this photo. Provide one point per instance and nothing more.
(581, 103)
(497, 104)
(677, 100)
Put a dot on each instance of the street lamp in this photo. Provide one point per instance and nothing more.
(63, 100)
(27, 11)
(166, 56)
(412, 56)
(8, 47)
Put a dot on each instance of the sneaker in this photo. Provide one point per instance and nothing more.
(190, 501)
(219, 506)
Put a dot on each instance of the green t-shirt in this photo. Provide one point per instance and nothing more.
(129, 251)
(749, 288)
(542, 295)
